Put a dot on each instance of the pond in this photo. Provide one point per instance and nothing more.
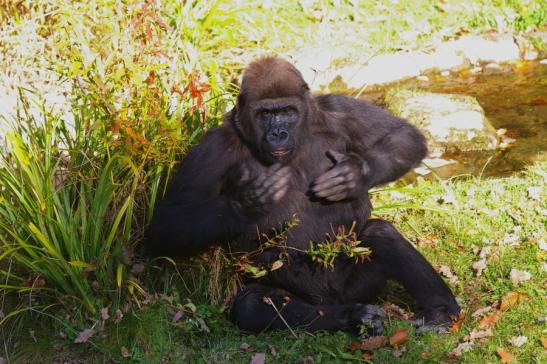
(514, 98)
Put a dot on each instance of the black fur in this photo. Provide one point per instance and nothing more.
(318, 167)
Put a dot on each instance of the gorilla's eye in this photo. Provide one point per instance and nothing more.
(264, 114)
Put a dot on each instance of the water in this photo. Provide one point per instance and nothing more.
(513, 97)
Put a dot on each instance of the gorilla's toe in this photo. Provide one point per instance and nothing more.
(368, 318)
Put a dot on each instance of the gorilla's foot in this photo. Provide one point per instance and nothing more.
(437, 320)
(368, 319)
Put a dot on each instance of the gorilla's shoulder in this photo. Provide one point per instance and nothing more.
(340, 103)
(222, 135)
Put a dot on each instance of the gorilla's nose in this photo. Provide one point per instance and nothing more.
(277, 137)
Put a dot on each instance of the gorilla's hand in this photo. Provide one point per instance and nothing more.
(255, 194)
(345, 180)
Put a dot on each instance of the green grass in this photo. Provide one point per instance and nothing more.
(141, 84)
(485, 212)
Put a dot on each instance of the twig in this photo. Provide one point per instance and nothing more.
(269, 301)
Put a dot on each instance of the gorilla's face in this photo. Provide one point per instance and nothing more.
(274, 108)
(277, 123)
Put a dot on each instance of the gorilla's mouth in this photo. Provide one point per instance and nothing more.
(280, 152)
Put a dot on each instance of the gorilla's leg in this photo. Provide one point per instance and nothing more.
(258, 307)
(401, 262)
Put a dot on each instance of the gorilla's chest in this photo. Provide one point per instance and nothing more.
(309, 218)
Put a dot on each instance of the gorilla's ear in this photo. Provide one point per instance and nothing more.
(241, 100)
(233, 118)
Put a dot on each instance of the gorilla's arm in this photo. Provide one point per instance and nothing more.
(194, 214)
(388, 146)
(213, 197)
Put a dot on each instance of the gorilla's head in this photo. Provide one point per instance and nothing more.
(273, 109)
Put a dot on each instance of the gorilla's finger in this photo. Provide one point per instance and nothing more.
(338, 197)
(332, 173)
(280, 193)
(274, 169)
(328, 183)
(331, 191)
(282, 172)
(274, 180)
(336, 157)
(281, 182)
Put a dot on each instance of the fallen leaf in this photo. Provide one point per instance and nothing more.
(511, 299)
(544, 342)
(119, 316)
(125, 352)
(399, 337)
(104, 313)
(485, 252)
(518, 276)
(399, 351)
(479, 266)
(490, 320)
(425, 355)
(354, 346)
(84, 335)
(481, 311)
(305, 360)
(258, 358)
(518, 341)
(246, 347)
(457, 321)
(374, 342)
(505, 356)
(395, 311)
(511, 239)
(479, 334)
(367, 356)
(445, 271)
(461, 348)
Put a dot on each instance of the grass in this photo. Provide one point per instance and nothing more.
(136, 84)
(502, 214)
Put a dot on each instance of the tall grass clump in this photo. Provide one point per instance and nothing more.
(77, 185)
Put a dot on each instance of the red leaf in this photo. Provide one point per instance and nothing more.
(511, 299)
(374, 342)
(458, 321)
(399, 337)
(505, 356)
(490, 320)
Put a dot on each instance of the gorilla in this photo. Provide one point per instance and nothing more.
(283, 153)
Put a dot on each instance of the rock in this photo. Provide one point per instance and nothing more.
(476, 49)
(450, 122)
(380, 69)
